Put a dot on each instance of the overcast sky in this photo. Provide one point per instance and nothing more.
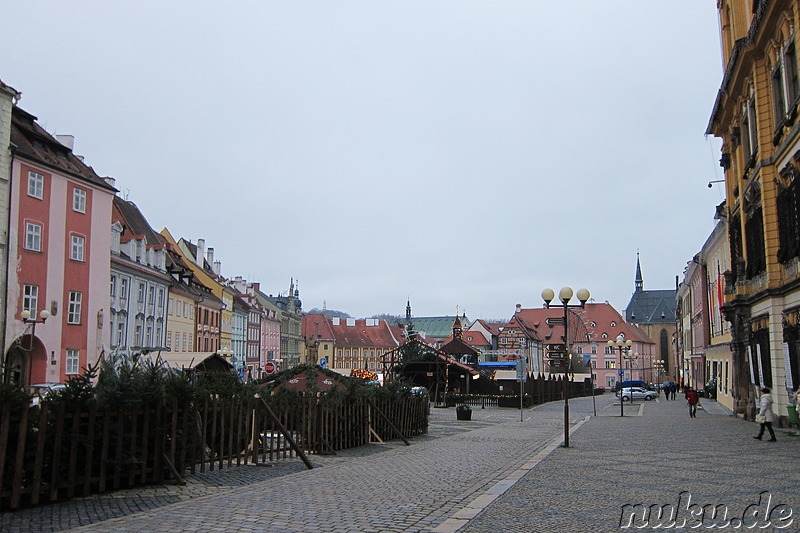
(454, 152)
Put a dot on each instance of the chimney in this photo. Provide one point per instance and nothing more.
(256, 286)
(217, 267)
(519, 308)
(111, 181)
(201, 251)
(210, 255)
(66, 140)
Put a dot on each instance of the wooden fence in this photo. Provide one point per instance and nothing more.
(536, 390)
(51, 454)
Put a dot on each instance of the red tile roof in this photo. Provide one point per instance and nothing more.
(317, 326)
(601, 321)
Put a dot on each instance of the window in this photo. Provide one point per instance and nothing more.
(33, 236)
(73, 361)
(148, 335)
(151, 296)
(168, 342)
(77, 250)
(113, 286)
(30, 299)
(608, 350)
(749, 132)
(137, 334)
(141, 292)
(79, 200)
(123, 288)
(161, 298)
(611, 364)
(784, 84)
(121, 333)
(35, 185)
(74, 310)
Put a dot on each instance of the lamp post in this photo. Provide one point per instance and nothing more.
(621, 344)
(565, 295)
(658, 365)
(44, 314)
(631, 359)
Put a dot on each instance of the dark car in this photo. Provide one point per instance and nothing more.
(632, 383)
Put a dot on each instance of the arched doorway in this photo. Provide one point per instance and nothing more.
(26, 362)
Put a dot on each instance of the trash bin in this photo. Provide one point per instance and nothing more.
(793, 418)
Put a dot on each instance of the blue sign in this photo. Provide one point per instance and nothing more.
(323, 362)
(621, 372)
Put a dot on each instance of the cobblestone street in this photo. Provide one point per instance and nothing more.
(494, 473)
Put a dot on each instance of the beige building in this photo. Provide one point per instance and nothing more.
(756, 116)
(8, 97)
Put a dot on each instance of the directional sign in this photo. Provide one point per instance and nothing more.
(556, 348)
(269, 367)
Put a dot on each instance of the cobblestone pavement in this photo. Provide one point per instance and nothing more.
(651, 459)
(494, 473)
(388, 487)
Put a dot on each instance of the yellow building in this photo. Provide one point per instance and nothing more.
(212, 316)
(756, 116)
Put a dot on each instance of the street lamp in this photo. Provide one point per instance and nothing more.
(658, 365)
(621, 344)
(32, 321)
(565, 295)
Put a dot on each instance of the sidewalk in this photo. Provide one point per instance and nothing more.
(493, 473)
(651, 459)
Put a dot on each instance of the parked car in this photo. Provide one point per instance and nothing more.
(40, 390)
(636, 393)
(634, 383)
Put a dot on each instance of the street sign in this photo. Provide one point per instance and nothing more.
(522, 375)
(269, 367)
(557, 348)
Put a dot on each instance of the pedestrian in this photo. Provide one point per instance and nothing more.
(673, 389)
(765, 416)
(692, 398)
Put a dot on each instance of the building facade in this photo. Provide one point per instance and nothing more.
(139, 283)
(58, 258)
(756, 117)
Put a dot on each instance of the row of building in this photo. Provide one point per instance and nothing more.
(84, 275)
(641, 347)
(739, 301)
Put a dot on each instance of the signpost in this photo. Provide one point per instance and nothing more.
(522, 377)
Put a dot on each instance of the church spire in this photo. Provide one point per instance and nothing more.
(639, 280)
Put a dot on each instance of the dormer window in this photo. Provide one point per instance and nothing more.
(613, 324)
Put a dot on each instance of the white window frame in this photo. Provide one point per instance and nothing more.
(79, 200)
(35, 185)
(74, 307)
(77, 248)
(30, 299)
(33, 236)
(72, 361)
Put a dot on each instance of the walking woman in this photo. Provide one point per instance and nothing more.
(765, 416)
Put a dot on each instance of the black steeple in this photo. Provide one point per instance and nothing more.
(639, 280)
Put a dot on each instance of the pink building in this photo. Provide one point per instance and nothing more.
(58, 252)
(590, 329)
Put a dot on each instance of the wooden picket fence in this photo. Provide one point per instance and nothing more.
(51, 454)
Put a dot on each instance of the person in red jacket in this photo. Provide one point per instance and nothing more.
(692, 398)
